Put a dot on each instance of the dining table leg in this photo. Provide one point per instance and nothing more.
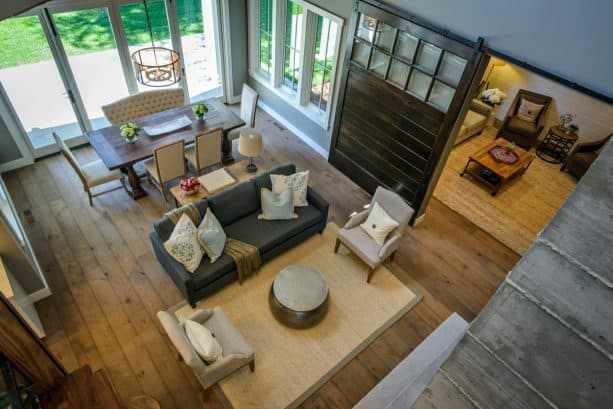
(135, 190)
(226, 150)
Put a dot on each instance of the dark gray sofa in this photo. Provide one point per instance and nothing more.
(237, 209)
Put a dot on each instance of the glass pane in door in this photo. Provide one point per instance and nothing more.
(134, 20)
(202, 68)
(294, 21)
(33, 84)
(87, 38)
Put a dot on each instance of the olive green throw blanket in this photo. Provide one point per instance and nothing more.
(245, 256)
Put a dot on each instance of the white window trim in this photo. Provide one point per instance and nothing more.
(274, 83)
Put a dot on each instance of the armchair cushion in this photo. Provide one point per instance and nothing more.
(356, 219)
(203, 341)
(361, 244)
(521, 126)
(378, 224)
(529, 111)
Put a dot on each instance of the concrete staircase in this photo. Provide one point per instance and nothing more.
(545, 340)
(407, 380)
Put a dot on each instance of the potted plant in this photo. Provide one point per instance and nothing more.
(129, 131)
(573, 128)
(200, 110)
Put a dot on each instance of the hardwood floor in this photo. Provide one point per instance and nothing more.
(107, 285)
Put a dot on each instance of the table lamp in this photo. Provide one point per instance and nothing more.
(250, 144)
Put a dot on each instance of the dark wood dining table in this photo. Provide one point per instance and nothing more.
(116, 153)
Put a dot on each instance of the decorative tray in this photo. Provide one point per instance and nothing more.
(167, 127)
(503, 155)
(217, 180)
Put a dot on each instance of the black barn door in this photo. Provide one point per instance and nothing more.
(402, 89)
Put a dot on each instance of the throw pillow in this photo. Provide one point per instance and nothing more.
(378, 224)
(277, 206)
(203, 341)
(183, 244)
(211, 236)
(529, 111)
(296, 182)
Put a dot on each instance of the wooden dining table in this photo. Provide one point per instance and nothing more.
(116, 153)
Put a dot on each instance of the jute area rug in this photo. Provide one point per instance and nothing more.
(519, 211)
(291, 364)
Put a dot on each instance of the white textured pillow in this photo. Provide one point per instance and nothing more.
(297, 182)
(183, 244)
(379, 224)
(529, 111)
(203, 341)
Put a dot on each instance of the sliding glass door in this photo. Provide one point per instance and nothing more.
(88, 41)
(32, 81)
(61, 62)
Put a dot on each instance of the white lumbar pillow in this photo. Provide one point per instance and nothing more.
(183, 244)
(379, 224)
(203, 341)
(297, 183)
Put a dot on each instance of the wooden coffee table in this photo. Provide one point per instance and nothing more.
(236, 170)
(481, 161)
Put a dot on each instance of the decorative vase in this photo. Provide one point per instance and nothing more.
(201, 118)
(131, 140)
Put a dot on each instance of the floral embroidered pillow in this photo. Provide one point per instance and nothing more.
(297, 183)
(183, 244)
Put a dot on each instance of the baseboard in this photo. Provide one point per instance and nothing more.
(39, 295)
(14, 164)
(419, 220)
(306, 139)
(235, 99)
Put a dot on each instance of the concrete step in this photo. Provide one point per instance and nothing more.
(407, 380)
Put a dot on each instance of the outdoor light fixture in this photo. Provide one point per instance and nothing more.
(156, 66)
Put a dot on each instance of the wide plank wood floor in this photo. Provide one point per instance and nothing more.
(107, 285)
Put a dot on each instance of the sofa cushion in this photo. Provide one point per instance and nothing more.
(263, 179)
(234, 203)
(183, 244)
(268, 234)
(473, 119)
(165, 226)
(520, 126)
(206, 272)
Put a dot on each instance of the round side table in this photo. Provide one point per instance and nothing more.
(556, 145)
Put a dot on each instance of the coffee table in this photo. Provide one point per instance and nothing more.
(236, 170)
(481, 161)
(298, 296)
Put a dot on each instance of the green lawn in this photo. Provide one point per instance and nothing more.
(22, 40)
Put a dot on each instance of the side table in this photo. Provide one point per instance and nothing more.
(556, 145)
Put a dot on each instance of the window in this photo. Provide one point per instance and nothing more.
(293, 45)
(325, 47)
(265, 40)
(294, 52)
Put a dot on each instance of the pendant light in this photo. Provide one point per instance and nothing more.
(156, 66)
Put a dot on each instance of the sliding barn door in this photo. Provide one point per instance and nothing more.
(402, 88)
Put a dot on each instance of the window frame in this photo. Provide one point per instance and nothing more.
(301, 98)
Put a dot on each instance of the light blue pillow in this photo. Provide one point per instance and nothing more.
(211, 236)
(277, 206)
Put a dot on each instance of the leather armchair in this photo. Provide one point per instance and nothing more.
(352, 236)
(582, 155)
(524, 133)
(236, 352)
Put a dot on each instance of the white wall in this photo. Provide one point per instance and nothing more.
(595, 118)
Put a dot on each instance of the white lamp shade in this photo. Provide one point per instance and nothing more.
(250, 142)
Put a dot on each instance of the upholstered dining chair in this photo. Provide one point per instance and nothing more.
(206, 151)
(249, 102)
(142, 104)
(516, 128)
(362, 245)
(236, 352)
(168, 163)
(91, 174)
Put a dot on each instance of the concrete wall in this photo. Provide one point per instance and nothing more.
(545, 340)
(594, 117)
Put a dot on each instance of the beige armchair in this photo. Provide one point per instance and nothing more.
(362, 245)
(142, 104)
(236, 352)
(91, 174)
(474, 121)
(249, 103)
